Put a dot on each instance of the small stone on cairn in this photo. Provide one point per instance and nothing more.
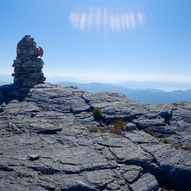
(28, 67)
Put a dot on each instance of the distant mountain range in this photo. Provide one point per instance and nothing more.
(143, 95)
(145, 92)
(166, 86)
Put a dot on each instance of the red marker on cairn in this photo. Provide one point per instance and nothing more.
(40, 51)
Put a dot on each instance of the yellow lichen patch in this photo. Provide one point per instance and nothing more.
(107, 156)
(58, 187)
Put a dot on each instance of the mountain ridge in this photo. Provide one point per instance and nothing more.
(152, 96)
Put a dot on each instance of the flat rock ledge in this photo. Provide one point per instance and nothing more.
(57, 138)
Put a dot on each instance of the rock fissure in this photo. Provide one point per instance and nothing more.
(163, 180)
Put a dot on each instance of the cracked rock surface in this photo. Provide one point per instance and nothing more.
(46, 142)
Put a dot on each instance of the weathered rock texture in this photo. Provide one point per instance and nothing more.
(28, 67)
(47, 143)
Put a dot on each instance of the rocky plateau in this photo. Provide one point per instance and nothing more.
(56, 138)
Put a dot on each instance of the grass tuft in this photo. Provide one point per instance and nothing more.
(93, 129)
(97, 113)
(187, 148)
(166, 141)
(118, 126)
(104, 129)
(181, 104)
(152, 133)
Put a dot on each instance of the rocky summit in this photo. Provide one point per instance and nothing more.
(57, 138)
(28, 67)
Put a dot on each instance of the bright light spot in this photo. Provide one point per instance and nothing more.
(141, 18)
(82, 22)
(103, 19)
(132, 19)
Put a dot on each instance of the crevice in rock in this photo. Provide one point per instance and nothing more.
(106, 145)
(79, 188)
(78, 112)
(153, 168)
(48, 131)
(48, 188)
(167, 116)
(90, 109)
(5, 168)
(45, 170)
(51, 171)
(101, 167)
(87, 101)
(128, 118)
(163, 180)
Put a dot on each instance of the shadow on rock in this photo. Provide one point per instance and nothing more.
(11, 92)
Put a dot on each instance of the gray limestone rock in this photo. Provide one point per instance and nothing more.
(46, 143)
(131, 173)
(28, 67)
(176, 164)
(1, 97)
(33, 157)
(130, 127)
(146, 183)
(144, 123)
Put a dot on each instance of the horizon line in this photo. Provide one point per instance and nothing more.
(108, 77)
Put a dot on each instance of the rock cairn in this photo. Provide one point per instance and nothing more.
(27, 66)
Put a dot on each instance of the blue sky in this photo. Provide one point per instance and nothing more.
(102, 40)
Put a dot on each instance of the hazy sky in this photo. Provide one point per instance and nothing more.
(102, 40)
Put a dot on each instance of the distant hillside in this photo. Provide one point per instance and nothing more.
(142, 95)
(166, 86)
(153, 96)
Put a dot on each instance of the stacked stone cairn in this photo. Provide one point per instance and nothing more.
(27, 66)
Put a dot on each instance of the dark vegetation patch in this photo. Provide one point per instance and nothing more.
(166, 141)
(180, 104)
(93, 129)
(187, 148)
(97, 113)
(152, 133)
(117, 127)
